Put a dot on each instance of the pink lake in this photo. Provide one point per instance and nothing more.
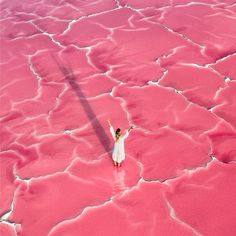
(165, 67)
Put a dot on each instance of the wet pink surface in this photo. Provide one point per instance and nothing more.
(166, 67)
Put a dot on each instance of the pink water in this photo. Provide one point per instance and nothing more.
(166, 67)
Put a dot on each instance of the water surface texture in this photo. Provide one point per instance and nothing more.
(166, 67)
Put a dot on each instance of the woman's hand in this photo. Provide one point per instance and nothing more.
(130, 128)
(109, 123)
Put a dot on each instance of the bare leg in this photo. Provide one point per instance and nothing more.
(115, 163)
(118, 164)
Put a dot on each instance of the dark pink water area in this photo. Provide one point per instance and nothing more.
(6, 230)
(35, 197)
(224, 146)
(226, 67)
(165, 67)
(7, 186)
(227, 103)
(199, 199)
(51, 25)
(123, 211)
(199, 21)
(165, 107)
(191, 81)
(185, 153)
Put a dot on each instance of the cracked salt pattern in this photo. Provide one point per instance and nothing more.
(166, 67)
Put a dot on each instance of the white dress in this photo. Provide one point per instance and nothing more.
(118, 153)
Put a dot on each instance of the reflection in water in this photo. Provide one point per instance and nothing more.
(119, 180)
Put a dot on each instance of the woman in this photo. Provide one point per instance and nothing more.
(118, 154)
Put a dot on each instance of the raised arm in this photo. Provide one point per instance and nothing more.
(109, 123)
(112, 130)
(130, 128)
(127, 132)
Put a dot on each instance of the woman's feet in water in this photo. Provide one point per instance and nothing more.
(117, 164)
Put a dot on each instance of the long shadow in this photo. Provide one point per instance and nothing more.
(97, 127)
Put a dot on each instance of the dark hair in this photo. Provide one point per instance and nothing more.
(117, 133)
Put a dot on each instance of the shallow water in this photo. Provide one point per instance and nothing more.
(166, 67)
